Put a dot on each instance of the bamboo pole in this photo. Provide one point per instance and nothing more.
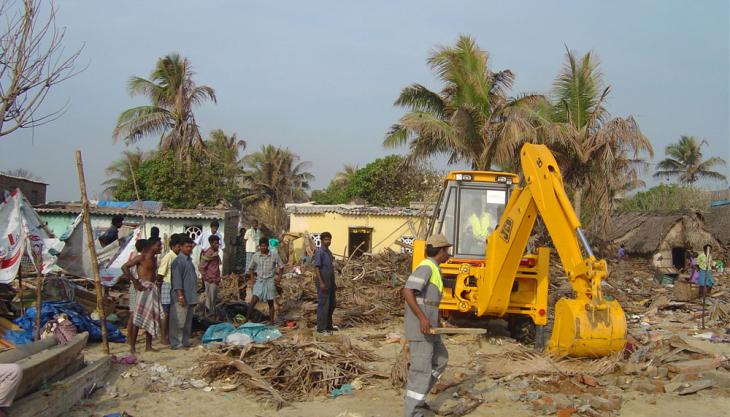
(38, 300)
(92, 251)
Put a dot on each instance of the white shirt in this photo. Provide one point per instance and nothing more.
(252, 239)
(203, 240)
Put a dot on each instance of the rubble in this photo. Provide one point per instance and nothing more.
(293, 368)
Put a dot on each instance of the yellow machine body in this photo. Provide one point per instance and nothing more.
(497, 278)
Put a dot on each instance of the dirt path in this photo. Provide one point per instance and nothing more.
(130, 389)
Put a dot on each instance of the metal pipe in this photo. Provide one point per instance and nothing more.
(584, 241)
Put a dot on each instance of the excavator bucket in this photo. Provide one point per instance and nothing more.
(582, 329)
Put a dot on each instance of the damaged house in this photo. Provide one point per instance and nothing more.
(670, 234)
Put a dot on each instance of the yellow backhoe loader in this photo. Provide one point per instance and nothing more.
(489, 218)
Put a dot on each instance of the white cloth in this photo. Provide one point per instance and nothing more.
(252, 239)
(10, 376)
(203, 239)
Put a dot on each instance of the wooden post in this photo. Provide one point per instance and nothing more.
(38, 301)
(20, 290)
(92, 251)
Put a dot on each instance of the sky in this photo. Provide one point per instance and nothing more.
(320, 77)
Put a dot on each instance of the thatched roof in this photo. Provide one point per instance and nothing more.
(645, 233)
(717, 220)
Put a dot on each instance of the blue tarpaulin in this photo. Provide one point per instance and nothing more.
(75, 313)
(259, 333)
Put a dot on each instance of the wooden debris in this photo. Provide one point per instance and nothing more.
(289, 369)
(458, 330)
(368, 290)
(695, 366)
(526, 362)
(58, 398)
(692, 387)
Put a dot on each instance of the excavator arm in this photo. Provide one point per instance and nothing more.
(586, 325)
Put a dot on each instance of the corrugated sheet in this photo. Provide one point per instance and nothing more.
(352, 210)
(210, 214)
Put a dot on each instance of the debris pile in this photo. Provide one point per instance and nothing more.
(293, 368)
(368, 290)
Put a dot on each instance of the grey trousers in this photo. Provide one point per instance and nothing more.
(10, 376)
(428, 361)
(181, 324)
(326, 303)
(211, 295)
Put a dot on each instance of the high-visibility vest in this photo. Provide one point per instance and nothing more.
(435, 274)
(479, 226)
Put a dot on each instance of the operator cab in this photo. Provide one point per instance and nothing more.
(469, 210)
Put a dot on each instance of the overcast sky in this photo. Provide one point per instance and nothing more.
(320, 77)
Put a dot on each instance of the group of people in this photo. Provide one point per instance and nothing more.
(164, 292)
(163, 295)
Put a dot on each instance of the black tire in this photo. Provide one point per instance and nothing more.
(522, 329)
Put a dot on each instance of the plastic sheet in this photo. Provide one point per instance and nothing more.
(74, 311)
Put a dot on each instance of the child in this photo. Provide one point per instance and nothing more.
(266, 268)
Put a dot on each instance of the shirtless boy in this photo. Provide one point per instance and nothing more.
(146, 265)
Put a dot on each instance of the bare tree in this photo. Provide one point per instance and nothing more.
(32, 61)
(22, 173)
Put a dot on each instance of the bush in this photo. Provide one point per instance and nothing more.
(666, 198)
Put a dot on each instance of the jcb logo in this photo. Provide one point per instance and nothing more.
(506, 230)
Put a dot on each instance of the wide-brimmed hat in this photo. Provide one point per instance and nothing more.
(438, 241)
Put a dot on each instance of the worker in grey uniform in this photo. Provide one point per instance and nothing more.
(422, 294)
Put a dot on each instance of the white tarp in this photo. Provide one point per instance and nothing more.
(23, 232)
(75, 258)
(112, 270)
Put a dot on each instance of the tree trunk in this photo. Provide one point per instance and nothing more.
(578, 201)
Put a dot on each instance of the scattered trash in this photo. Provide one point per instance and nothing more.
(238, 339)
(124, 360)
(345, 389)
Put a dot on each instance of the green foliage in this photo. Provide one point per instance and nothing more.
(389, 181)
(179, 185)
(666, 198)
(335, 193)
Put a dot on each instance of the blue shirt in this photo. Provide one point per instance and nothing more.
(324, 260)
(184, 278)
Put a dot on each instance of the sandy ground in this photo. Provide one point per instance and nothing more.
(377, 399)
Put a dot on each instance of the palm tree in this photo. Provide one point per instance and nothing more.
(472, 119)
(173, 94)
(685, 162)
(275, 176)
(594, 150)
(225, 150)
(346, 176)
(121, 171)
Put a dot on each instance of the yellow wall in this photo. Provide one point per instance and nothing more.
(385, 229)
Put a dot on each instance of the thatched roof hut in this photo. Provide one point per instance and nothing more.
(718, 222)
(670, 234)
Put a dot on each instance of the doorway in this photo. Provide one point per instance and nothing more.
(679, 257)
(359, 241)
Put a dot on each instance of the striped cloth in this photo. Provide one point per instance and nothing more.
(147, 309)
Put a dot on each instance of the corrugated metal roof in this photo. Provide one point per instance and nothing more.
(352, 210)
(206, 213)
(23, 179)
